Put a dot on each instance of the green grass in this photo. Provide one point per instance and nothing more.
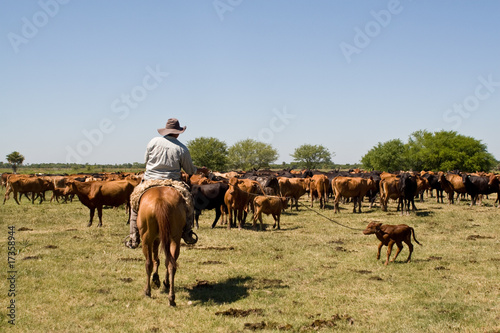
(311, 275)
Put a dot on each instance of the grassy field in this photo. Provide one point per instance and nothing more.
(313, 275)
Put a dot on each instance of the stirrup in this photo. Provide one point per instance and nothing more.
(190, 237)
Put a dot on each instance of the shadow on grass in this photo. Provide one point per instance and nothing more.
(229, 291)
(424, 213)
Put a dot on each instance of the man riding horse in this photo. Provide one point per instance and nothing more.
(165, 157)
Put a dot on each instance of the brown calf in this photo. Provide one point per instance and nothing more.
(389, 234)
(268, 205)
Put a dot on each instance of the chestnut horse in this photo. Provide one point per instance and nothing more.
(161, 219)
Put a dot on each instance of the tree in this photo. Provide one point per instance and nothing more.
(312, 156)
(438, 151)
(387, 156)
(250, 154)
(208, 152)
(448, 150)
(15, 159)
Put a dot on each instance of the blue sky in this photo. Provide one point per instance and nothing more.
(91, 81)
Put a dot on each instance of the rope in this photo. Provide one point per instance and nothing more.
(326, 217)
(329, 219)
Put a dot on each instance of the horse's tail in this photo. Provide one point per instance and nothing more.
(161, 213)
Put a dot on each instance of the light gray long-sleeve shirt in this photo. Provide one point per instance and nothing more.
(165, 157)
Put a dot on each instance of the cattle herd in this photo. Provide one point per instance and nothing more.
(234, 194)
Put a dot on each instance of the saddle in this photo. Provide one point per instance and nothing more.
(145, 185)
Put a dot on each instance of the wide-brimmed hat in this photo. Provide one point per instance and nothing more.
(172, 127)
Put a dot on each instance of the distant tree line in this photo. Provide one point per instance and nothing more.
(250, 154)
(438, 151)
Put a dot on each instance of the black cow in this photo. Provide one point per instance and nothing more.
(270, 185)
(408, 188)
(435, 185)
(209, 196)
(476, 185)
(268, 182)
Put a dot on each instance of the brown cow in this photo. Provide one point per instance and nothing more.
(294, 188)
(96, 194)
(198, 179)
(389, 234)
(24, 184)
(454, 184)
(351, 187)
(422, 186)
(319, 187)
(389, 189)
(5, 176)
(250, 186)
(494, 183)
(237, 201)
(268, 205)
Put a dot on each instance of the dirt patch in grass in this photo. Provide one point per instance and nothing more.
(51, 247)
(32, 257)
(126, 280)
(332, 322)
(240, 313)
(376, 278)
(211, 262)
(131, 259)
(342, 249)
(213, 248)
(474, 237)
(267, 325)
(24, 229)
(441, 268)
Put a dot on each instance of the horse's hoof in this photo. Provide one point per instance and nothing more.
(156, 281)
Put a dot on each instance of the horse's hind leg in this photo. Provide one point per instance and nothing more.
(156, 263)
(146, 249)
(170, 263)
